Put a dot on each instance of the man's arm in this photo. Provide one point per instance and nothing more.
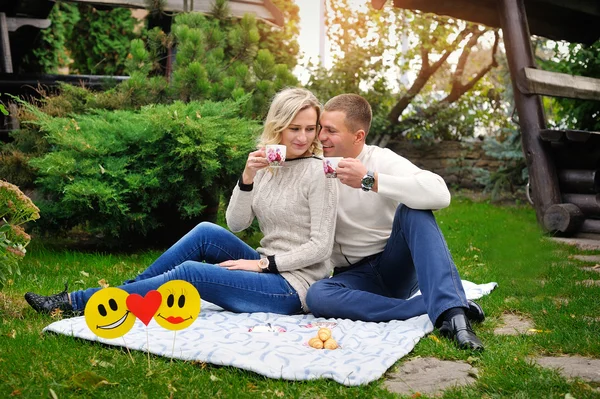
(397, 178)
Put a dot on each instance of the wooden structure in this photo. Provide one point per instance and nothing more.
(563, 165)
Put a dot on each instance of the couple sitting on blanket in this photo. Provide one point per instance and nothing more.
(373, 225)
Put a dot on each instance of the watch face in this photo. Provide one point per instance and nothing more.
(263, 263)
(368, 181)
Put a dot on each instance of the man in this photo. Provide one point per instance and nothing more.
(387, 242)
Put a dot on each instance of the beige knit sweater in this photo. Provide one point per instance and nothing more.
(296, 210)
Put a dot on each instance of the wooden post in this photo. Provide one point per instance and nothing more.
(542, 171)
(566, 218)
(6, 56)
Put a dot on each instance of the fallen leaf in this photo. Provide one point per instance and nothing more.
(472, 359)
(279, 393)
(84, 273)
(104, 364)
(251, 387)
(214, 378)
(16, 392)
(171, 388)
(102, 283)
(433, 337)
(88, 379)
(53, 394)
(56, 313)
(12, 334)
(533, 330)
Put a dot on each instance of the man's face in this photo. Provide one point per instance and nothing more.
(337, 140)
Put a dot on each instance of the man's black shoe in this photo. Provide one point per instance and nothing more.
(459, 329)
(48, 304)
(475, 312)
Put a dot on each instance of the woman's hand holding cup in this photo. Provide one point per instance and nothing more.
(256, 161)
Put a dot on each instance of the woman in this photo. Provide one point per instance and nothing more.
(295, 206)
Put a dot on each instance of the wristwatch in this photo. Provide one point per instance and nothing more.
(368, 181)
(263, 264)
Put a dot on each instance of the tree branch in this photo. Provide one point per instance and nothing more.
(425, 73)
(458, 89)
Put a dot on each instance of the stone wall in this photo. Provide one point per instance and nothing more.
(454, 161)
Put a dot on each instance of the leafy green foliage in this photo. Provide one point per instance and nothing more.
(114, 172)
(580, 60)
(513, 175)
(51, 53)
(85, 39)
(100, 40)
(15, 210)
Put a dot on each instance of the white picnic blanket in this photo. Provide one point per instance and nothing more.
(275, 345)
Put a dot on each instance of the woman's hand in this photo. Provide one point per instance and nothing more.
(257, 160)
(241, 264)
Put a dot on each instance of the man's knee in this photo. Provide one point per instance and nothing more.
(316, 297)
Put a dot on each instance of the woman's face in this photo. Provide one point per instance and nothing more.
(300, 133)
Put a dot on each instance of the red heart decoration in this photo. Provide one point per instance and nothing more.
(144, 308)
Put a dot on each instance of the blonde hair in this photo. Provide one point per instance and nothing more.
(357, 109)
(285, 106)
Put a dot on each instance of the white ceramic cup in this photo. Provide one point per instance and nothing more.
(330, 165)
(275, 155)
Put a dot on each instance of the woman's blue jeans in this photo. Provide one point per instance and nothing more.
(379, 287)
(195, 257)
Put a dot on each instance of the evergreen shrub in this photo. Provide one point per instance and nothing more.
(124, 175)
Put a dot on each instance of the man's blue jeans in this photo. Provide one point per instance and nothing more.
(378, 287)
(194, 258)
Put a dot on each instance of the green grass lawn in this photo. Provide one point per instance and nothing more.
(536, 278)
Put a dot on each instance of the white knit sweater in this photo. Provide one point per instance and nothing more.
(364, 219)
(296, 207)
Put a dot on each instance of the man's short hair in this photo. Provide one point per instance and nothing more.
(357, 109)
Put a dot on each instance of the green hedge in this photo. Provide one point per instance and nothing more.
(122, 175)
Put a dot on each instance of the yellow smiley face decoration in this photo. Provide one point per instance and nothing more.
(106, 313)
(180, 305)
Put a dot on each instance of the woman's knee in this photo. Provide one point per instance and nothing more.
(187, 271)
(205, 228)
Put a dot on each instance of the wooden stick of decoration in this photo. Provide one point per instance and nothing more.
(106, 314)
(179, 308)
(144, 308)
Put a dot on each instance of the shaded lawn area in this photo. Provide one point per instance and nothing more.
(536, 278)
